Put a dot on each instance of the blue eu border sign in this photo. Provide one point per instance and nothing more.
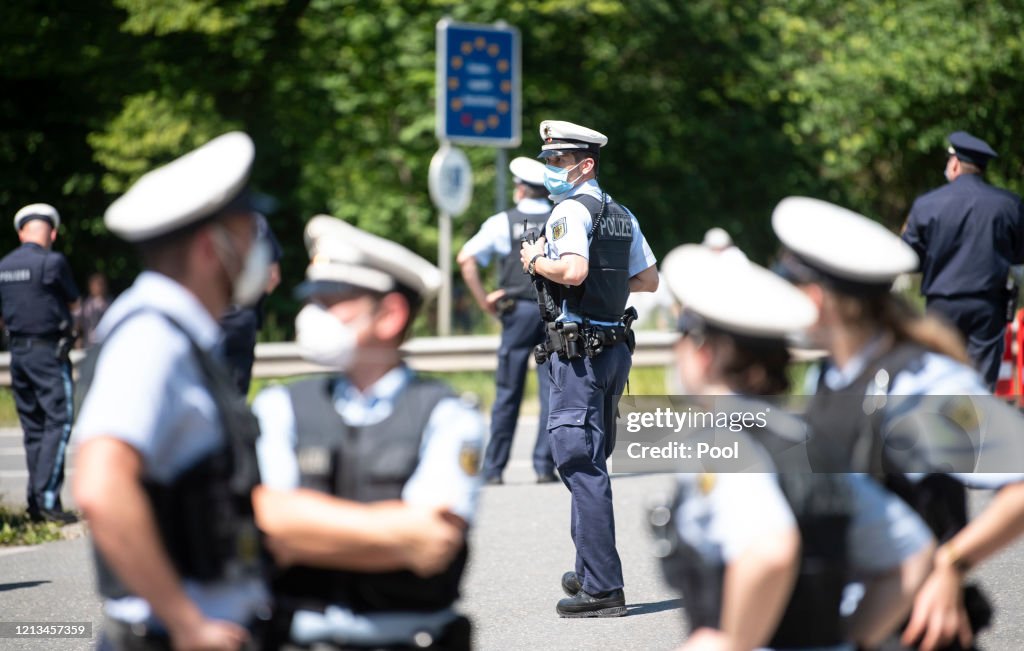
(478, 84)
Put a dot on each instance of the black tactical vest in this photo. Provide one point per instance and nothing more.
(205, 516)
(365, 464)
(603, 295)
(31, 308)
(823, 506)
(838, 417)
(513, 280)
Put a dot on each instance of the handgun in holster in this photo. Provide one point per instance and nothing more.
(66, 341)
(628, 318)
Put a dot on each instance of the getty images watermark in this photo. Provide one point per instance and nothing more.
(734, 434)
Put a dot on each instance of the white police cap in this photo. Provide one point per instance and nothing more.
(42, 211)
(184, 191)
(560, 136)
(526, 170)
(842, 246)
(735, 295)
(344, 257)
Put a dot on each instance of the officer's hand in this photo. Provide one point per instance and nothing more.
(707, 639)
(939, 615)
(492, 299)
(530, 249)
(210, 635)
(434, 537)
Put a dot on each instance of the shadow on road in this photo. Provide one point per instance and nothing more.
(4, 587)
(653, 607)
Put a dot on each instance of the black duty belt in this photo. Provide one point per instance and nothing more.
(49, 339)
(572, 340)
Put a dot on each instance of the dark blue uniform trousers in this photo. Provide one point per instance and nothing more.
(521, 330)
(42, 394)
(982, 321)
(584, 397)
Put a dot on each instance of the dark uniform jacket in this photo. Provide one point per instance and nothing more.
(967, 233)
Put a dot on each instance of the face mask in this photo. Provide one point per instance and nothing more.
(323, 339)
(556, 179)
(248, 286)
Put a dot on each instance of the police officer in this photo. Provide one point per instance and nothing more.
(167, 456)
(879, 347)
(967, 235)
(515, 304)
(372, 434)
(241, 323)
(784, 556)
(786, 542)
(38, 296)
(591, 257)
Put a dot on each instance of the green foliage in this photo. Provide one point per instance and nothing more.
(714, 110)
(8, 411)
(17, 529)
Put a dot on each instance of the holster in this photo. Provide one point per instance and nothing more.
(504, 305)
(572, 340)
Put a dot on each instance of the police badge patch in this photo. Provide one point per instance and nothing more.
(558, 229)
(469, 459)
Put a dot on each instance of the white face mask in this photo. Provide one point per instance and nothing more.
(251, 281)
(325, 340)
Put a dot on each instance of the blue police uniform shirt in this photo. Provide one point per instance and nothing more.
(149, 392)
(35, 288)
(439, 480)
(937, 375)
(967, 234)
(575, 222)
(494, 237)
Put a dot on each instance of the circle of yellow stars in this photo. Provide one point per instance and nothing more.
(457, 61)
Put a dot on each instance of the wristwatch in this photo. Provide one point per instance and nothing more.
(533, 263)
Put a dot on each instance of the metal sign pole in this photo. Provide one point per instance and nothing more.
(444, 259)
(500, 173)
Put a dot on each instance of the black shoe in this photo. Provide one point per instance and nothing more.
(50, 515)
(547, 477)
(571, 584)
(493, 481)
(608, 604)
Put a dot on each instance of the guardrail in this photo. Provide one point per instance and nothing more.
(435, 354)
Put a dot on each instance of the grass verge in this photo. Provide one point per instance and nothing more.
(17, 529)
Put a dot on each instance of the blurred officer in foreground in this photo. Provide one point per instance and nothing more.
(591, 257)
(167, 449)
(967, 234)
(879, 347)
(515, 304)
(762, 556)
(38, 296)
(372, 439)
(241, 323)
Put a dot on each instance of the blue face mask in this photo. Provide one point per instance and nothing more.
(556, 179)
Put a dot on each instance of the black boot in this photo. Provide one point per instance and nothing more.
(605, 604)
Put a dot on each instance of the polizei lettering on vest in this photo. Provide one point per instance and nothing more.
(15, 276)
(619, 227)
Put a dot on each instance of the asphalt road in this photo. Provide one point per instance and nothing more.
(520, 547)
